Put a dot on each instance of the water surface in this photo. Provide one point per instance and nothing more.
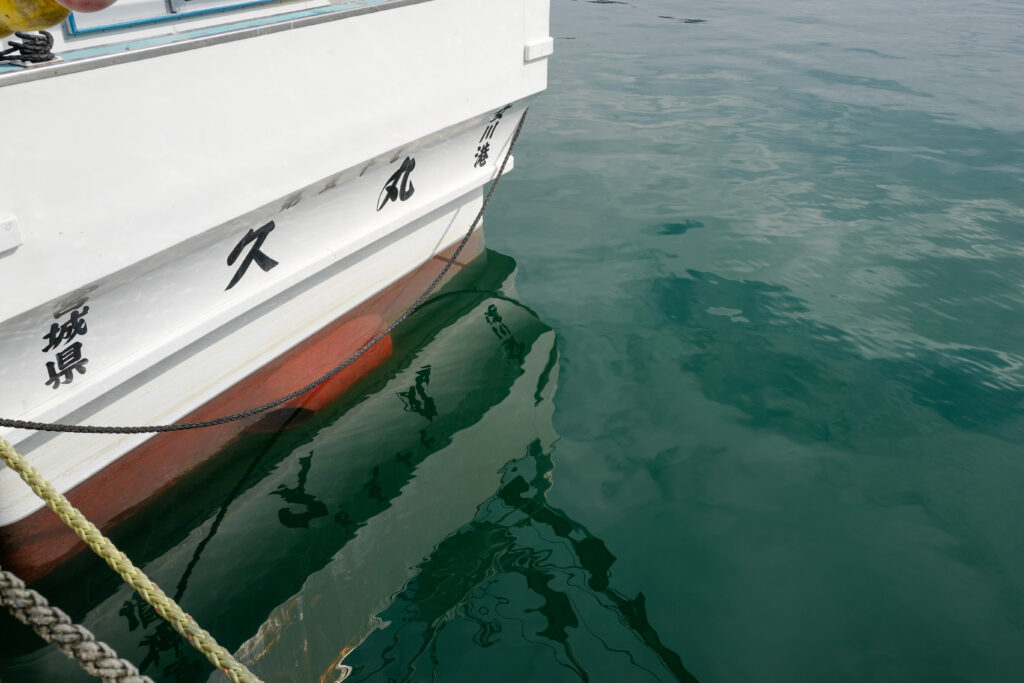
(754, 410)
(782, 249)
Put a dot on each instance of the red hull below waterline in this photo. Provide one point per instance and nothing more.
(36, 544)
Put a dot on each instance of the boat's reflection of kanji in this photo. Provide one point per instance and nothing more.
(297, 495)
(392, 190)
(416, 400)
(257, 237)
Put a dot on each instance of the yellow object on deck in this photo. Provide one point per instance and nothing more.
(30, 15)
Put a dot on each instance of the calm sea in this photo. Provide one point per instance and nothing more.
(737, 395)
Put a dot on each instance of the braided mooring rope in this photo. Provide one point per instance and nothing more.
(167, 608)
(54, 626)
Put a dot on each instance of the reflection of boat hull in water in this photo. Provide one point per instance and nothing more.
(363, 495)
(423, 567)
(337, 606)
(190, 199)
(354, 544)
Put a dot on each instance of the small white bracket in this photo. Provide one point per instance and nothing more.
(10, 234)
(539, 50)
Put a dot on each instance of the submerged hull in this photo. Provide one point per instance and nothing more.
(222, 225)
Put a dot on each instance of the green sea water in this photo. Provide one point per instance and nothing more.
(737, 393)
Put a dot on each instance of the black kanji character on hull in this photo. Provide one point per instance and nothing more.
(69, 360)
(67, 331)
(482, 152)
(257, 237)
(392, 190)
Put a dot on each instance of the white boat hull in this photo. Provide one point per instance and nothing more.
(184, 218)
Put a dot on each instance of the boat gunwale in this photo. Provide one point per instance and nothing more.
(313, 17)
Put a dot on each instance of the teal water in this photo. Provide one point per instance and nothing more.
(753, 409)
(783, 250)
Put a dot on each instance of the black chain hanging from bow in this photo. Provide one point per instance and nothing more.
(35, 48)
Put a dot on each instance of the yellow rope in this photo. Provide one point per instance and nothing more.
(133, 576)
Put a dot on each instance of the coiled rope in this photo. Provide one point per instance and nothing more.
(167, 608)
(95, 429)
(54, 626)
(37, 48)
